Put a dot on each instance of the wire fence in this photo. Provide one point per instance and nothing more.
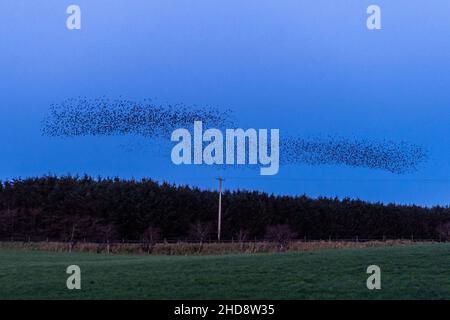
(211, 240)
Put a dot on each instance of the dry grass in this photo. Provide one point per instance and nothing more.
(183, 248)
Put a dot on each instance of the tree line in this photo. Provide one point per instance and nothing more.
(71, 208)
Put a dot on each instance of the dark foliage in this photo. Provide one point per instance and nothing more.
(73, 209)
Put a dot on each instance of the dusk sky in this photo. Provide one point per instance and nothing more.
(307, 67)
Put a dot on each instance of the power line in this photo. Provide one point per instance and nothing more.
(362, 180)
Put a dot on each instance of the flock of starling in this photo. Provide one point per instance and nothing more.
(395, 157)
(103, 116)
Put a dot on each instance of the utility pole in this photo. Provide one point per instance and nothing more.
(220, 209)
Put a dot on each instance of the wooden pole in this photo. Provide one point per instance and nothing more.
(219, 220)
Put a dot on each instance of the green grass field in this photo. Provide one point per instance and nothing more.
(408, 272)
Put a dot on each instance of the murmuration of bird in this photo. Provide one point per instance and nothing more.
(103, 116)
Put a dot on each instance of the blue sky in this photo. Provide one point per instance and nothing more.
(309, 67)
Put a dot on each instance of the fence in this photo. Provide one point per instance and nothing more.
(210, 240)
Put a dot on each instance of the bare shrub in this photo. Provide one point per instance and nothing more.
(199, 231)
(444, 231)
(242, 235)
(150, 237)
(281, 234)
(107, 233)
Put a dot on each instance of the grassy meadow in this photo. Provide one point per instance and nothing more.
(408, 272)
